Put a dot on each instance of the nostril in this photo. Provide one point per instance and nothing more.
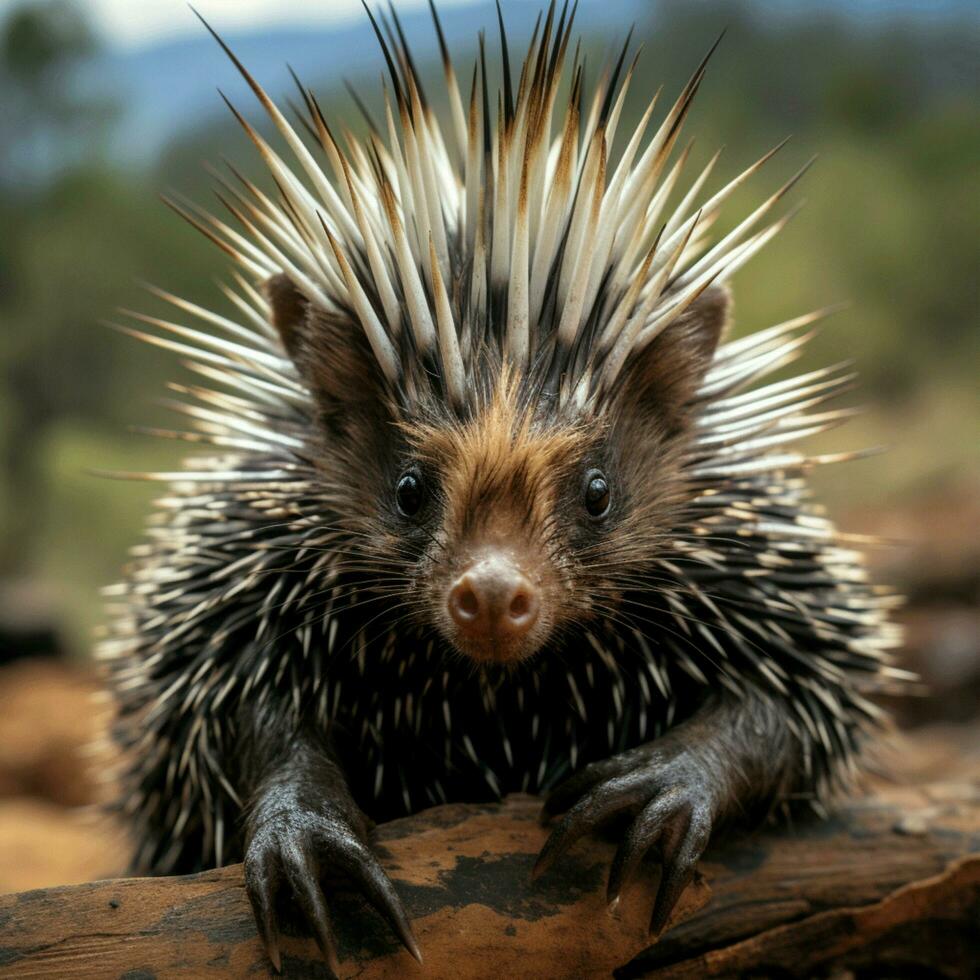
(467, 602)
(464, 604)
(522, 611)
(519, 605)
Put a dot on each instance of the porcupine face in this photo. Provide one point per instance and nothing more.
(507, 527)
(511, 503)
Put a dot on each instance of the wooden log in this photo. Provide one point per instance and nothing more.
(796, 899)
(928, 925)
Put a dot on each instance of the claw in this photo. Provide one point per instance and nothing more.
(566, 833)
(270, 939)
(641, 836)
(672, 886)
(261, 886)
(684, 845)
(593, 810)
(306, 887)
(380, 892)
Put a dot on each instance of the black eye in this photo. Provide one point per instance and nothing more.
(409, 493)
(596, 493)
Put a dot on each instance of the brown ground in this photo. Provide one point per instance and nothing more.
(52, 830)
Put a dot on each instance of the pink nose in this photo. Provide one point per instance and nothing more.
(493, 599)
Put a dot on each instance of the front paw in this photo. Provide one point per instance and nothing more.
(299, 847)
(669, 795)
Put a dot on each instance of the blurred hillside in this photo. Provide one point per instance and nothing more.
(891, 225)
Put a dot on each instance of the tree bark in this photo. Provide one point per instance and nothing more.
(891, 881)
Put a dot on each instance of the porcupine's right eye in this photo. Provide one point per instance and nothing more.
(409, 493)
(596, 493)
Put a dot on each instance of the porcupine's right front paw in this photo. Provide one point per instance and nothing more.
(297, 847)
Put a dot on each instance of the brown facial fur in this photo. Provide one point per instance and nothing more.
(502, 482)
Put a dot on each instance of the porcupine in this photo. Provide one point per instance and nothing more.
(490, 506)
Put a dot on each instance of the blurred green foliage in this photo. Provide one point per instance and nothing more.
(891, 225)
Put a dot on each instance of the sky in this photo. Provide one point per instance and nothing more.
(136, 23)
(133, 23)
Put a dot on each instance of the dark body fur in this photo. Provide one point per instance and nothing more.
(414, 724)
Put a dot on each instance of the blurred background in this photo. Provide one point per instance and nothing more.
(104, 104)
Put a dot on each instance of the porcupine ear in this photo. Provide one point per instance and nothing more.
(289, 308)
(331, 354)
(661, 379)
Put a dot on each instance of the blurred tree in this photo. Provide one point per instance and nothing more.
(48, 127)
(49, 120)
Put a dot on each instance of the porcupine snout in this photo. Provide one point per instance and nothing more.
(493, 601)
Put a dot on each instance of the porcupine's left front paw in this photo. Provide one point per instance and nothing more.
(669, 794)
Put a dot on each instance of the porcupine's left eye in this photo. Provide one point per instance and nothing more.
(409, 493)
(596, 493)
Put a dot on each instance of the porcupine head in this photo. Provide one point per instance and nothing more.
(507, 519)
(507, 450)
